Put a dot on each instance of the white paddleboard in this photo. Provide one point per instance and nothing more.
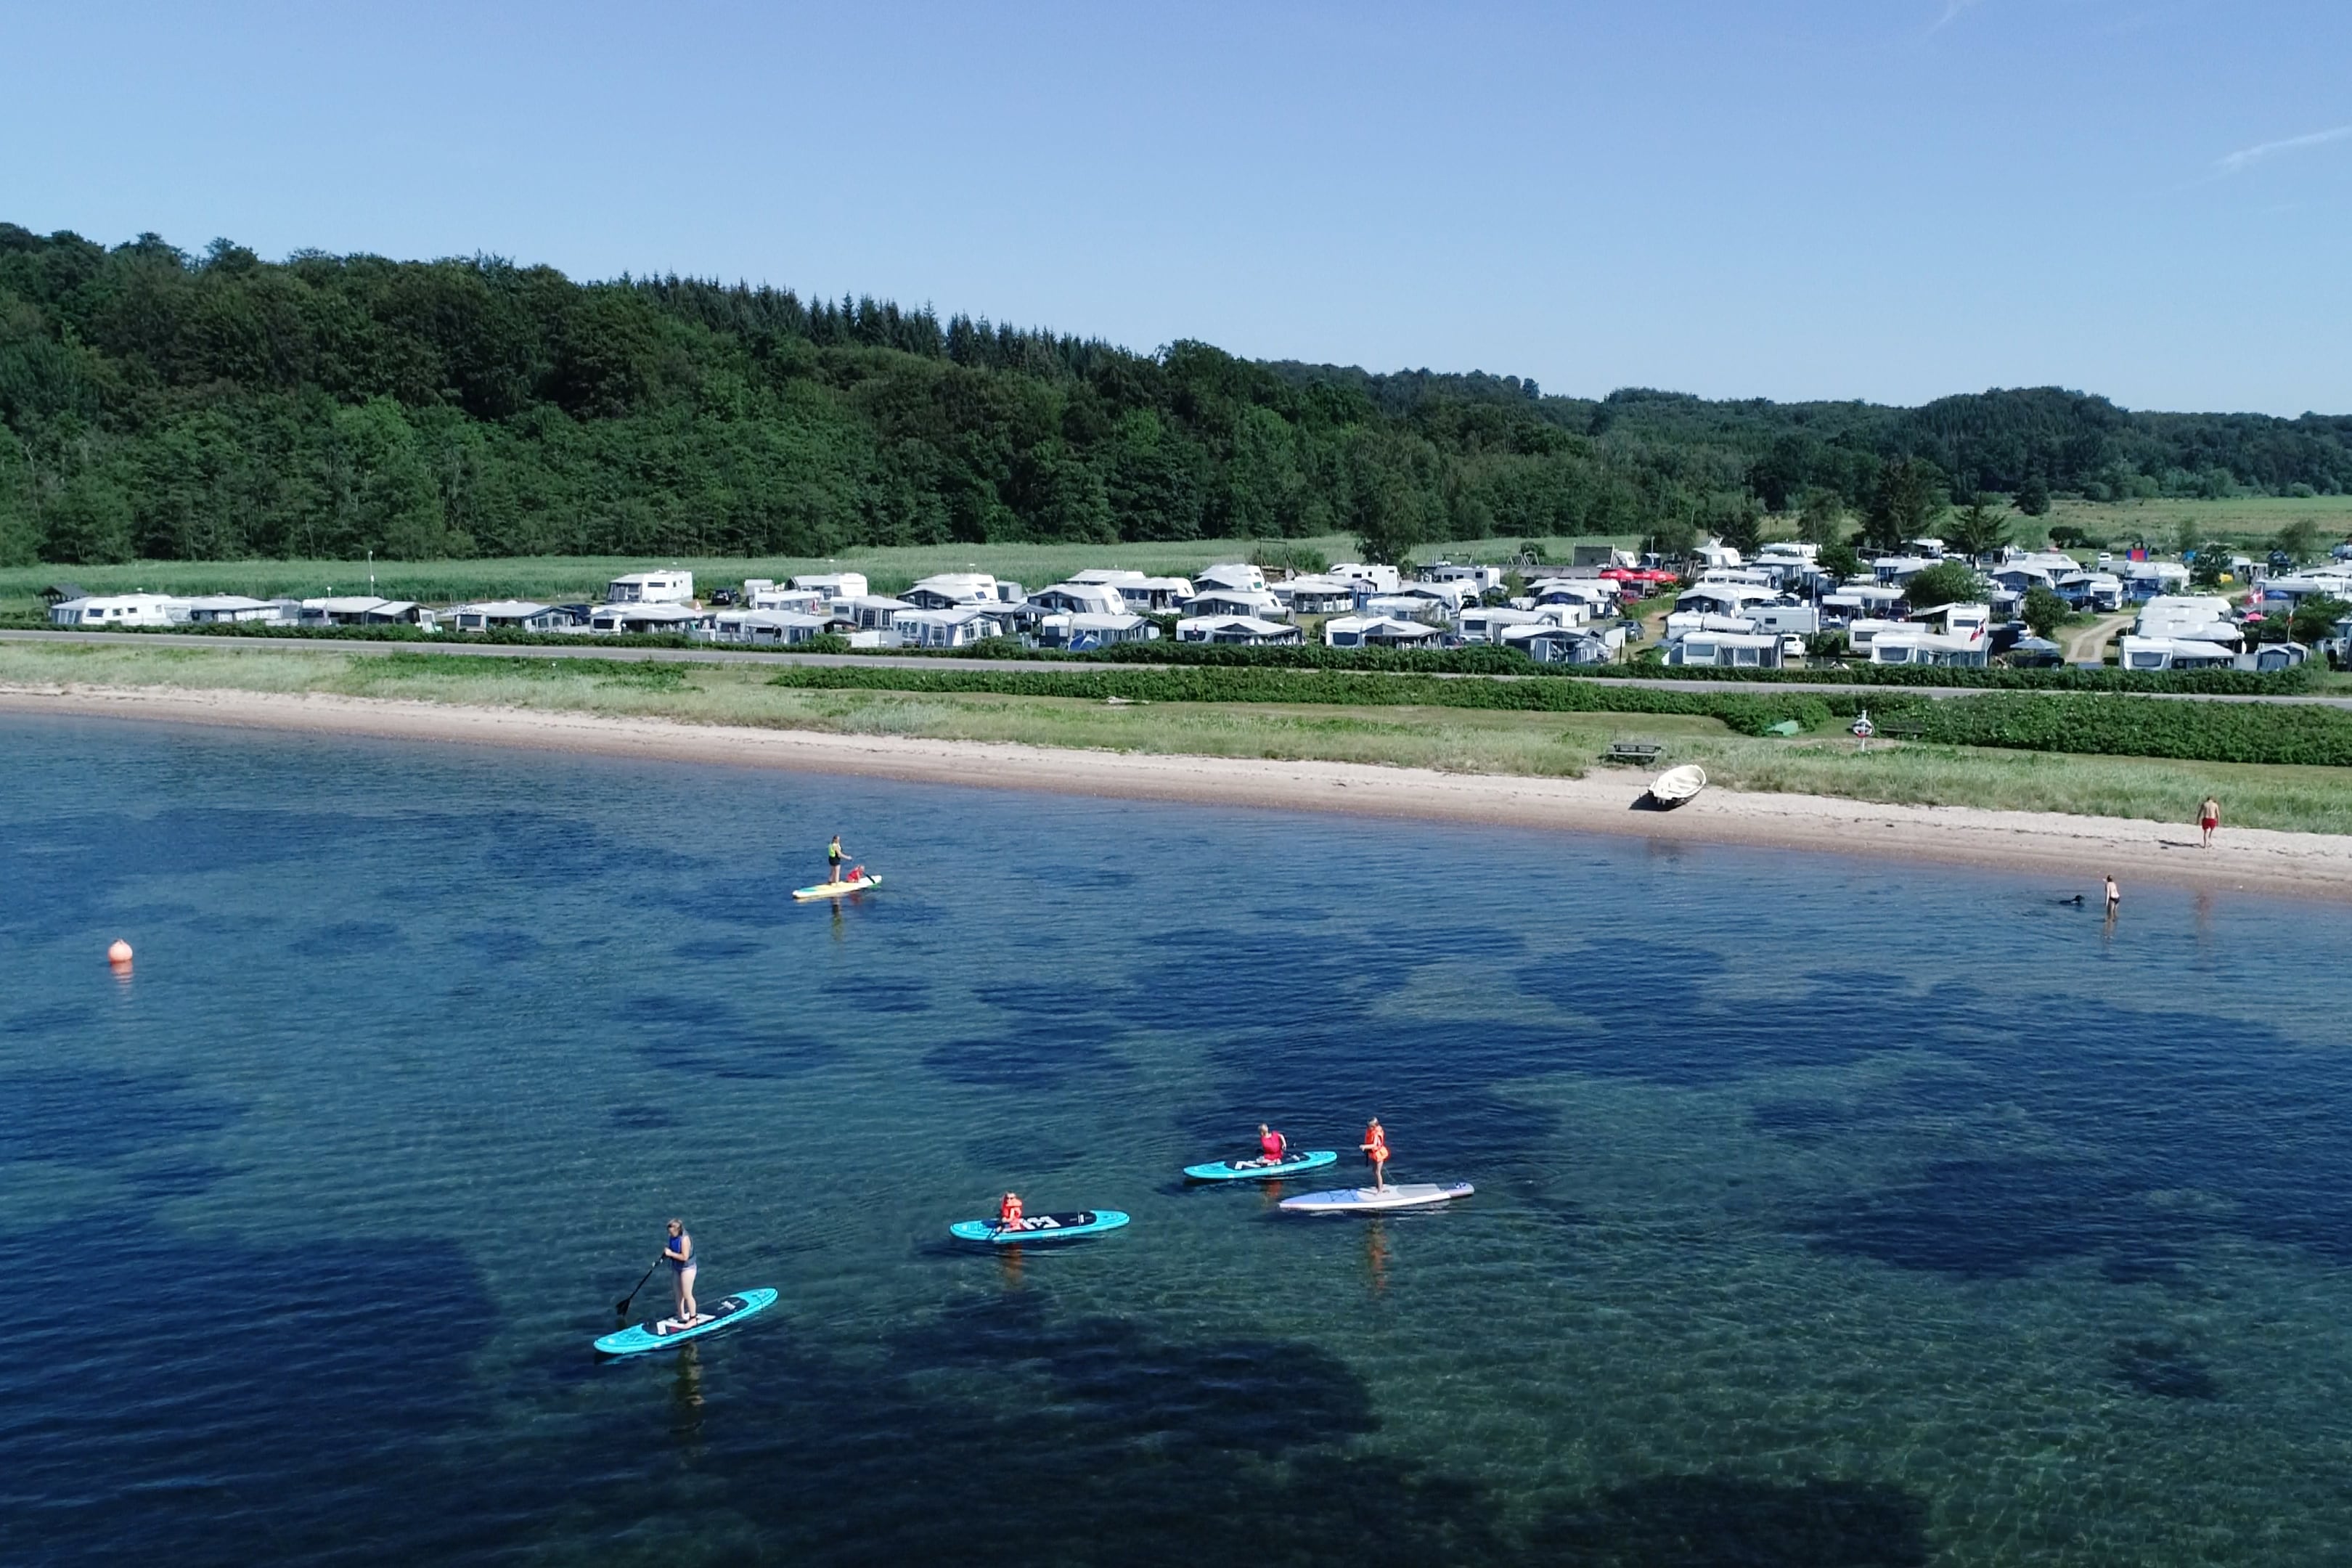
(1370, 1200)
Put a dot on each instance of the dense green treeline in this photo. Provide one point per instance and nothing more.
(154, 405)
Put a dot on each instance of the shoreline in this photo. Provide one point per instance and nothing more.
(2249, 859)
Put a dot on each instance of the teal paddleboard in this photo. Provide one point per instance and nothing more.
(639, 1337)
(1251, 1170)
(1039, 1227)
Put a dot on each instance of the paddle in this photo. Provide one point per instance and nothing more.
(622, 1306)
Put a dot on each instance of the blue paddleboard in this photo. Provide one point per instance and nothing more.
(1040, 1227)
(639, 1337)
(1232, 1171)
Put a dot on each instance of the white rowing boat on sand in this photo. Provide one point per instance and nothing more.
(1677, 786)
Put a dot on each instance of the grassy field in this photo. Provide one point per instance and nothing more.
(570, 578)
(2246, 521)
(1458, 740)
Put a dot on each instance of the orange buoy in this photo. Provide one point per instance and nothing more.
(120, 952)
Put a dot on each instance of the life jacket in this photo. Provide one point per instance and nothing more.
(1009, 1211)
(1376, 1142)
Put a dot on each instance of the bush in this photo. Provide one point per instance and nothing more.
(2084, 724)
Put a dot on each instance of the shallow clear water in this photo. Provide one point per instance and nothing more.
(1830, 1212)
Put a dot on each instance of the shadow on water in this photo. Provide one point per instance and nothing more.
(2164, 1369)
(269, 1356)
(1716, 1522)
(997, 1432)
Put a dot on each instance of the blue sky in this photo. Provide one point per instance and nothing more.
(1886, 199)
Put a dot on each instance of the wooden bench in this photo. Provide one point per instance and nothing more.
(1633, 752)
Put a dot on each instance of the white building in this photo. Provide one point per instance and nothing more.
(644, 620)
(835, 584)
(1238, 576)
(871, 612)
(1247, 630)
(1075, 598)
(952, 590)
(2174, 653)
(782, 627)
(1378, 631)
(668, 587)
(214, 608)
(1727, 650)
(114, 610)
(1566, 644)
(508, 615)
(1319, 595)
(1162, 594)
(365, 610)
(1486, 623)
(1476, 579)
(1082, 631)
(1915, 644)
(1383, 579)
(957, 627)
(1256, 602)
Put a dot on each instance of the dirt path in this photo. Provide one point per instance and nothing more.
(2089, 646)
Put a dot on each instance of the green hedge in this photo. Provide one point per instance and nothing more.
(2142, 727)
(2085, 724)
(1749, 715)
(1489, 660)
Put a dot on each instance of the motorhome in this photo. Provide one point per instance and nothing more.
(667, 587)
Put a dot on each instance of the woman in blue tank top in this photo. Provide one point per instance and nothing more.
(678, 1251)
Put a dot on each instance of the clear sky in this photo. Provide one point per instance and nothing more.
(1886, 199)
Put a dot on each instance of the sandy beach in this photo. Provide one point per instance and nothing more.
(1610, 801)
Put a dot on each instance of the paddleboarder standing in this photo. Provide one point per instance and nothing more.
(833, 859)
(1376, 1150)
(678, 1251)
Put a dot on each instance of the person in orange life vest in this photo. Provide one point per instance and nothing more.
(1376, 1150)
(1273, 1146)
(1008, 1212)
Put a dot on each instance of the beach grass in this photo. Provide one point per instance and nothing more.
(1475, 740)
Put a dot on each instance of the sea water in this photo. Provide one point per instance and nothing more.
(1830, 1210)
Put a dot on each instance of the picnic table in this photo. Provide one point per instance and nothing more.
(1633, 752)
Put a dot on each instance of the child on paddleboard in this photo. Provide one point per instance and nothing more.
(1376, 1150)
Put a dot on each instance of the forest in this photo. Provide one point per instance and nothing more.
(156, 404)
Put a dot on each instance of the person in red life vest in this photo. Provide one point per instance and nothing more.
(1376, 1150)
(1272, 1145)
(1008, 1212)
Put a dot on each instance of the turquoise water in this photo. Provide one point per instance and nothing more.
(1829, 1212)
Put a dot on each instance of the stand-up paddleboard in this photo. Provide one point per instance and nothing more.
(639, 1337)
(835, 890)
(1252, 1170)
(1372, 1200)
(1039, 1227)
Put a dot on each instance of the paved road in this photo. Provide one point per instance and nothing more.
(917, 661)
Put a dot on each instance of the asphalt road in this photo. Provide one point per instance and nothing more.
(591, 649)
